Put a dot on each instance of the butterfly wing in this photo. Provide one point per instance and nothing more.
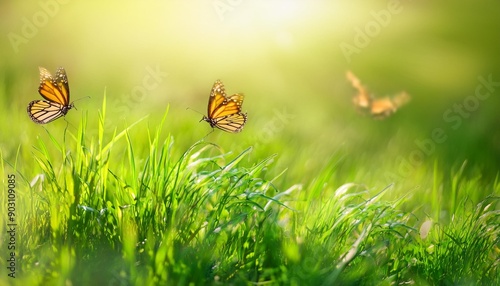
(228, 106)
(55, 89)
(231, 123)
(401, 99)
(362, 100)
(43, 111)
(218, 101)
(384, 107)
(225, 112)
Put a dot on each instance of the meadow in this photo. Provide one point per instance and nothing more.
(130, 188)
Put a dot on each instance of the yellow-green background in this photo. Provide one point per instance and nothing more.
(285, 56)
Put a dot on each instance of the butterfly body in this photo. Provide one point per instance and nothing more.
(224, 112)
(55, 91)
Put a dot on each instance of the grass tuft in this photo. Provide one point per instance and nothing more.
(110, 209)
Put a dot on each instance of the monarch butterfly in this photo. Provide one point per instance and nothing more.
(56, 92)
(225, 112)
(378, 108)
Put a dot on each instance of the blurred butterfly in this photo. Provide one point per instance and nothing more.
(225, 112)
(379, 108)
(55, 90)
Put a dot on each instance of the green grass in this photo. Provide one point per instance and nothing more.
(111, 209)
(128, 191)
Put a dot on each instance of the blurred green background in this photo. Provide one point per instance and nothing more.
(289, 59)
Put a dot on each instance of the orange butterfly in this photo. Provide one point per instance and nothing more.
(378, 108)
(56, 92)
(225, 112)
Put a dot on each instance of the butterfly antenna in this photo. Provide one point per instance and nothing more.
(195, 111)
(80, 99)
